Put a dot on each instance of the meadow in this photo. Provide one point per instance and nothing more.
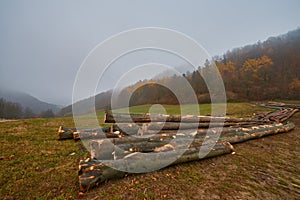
(35, 165)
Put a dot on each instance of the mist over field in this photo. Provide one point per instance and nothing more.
(43, 44)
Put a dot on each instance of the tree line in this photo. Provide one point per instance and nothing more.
(11, 110)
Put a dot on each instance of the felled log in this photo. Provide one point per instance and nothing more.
(116, 148)
(93, 172)
(162, 127)
(64, 134)
(177, 125)
(258, 132)
(96, 133)
(146, 118)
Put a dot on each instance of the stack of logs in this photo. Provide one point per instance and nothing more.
(283, 113)
(141, 143)
(170, 139)
(279, 105)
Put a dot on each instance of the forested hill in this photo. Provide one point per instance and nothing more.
(263, 71)
(27, 101)
(266, 70)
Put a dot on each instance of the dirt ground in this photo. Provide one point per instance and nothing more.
(266, 168)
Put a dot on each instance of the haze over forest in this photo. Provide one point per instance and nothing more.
(41, 50)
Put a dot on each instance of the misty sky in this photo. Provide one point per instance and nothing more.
(43, 43)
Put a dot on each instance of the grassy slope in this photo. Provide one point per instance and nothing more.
(35, 165)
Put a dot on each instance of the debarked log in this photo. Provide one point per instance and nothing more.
(93, 172)
(146, 118)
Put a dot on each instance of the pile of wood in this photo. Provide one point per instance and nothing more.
(163, 140)
(279, 105)
(143, 142)
(283, 113)
(145, 124)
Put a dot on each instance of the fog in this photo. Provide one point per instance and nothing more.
(43, 43)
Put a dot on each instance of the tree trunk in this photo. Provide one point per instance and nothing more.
(76, 134)
(146, 118)
(93, 172)
(258, 133)
(177, 125)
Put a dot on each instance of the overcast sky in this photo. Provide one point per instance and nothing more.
(43, 43)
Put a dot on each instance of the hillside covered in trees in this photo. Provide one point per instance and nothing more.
(263, 71)
(266, 70)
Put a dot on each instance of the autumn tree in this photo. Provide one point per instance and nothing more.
(229, 74)
(255, 75)
(294, 88)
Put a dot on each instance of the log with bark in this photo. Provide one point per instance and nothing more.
(182, 126)
(93, 172)
(89, 133)
(146, 118)
(256, 132)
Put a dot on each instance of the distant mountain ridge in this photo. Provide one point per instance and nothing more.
(102, 102)
(27, 101)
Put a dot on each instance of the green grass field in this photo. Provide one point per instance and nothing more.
(35, 165)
